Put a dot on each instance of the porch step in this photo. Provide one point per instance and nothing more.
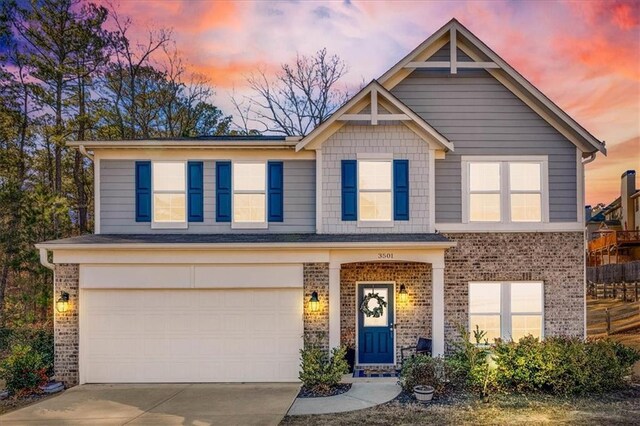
(375, 372)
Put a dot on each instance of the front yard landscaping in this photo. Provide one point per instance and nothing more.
(613, 408)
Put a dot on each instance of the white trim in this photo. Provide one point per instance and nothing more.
(395, 330)
(334, 305)
(581, 188)
(163, 154)
(250, 225)
(381, 158)
(364, 156)
(510, 227)
(437, 310)
(377, 223)
(505, 187)
(453, 50)
(374, 118)
(182, 144)
(432, 191)
(447, 64)
(96, 195)
(374, 107)
(506, 327)
(319, 190)
(170, 225)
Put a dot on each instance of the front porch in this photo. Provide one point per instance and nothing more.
(340, 282)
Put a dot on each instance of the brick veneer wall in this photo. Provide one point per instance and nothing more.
(556, 258)
(413, 318)
(316, 324)
(392, 138)
(66, 331)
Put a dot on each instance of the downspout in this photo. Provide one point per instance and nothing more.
(44, 259)
(585, 161)
(84, 152)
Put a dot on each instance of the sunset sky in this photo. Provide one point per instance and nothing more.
(584, 55)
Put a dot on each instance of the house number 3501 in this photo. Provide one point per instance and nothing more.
(385, 255)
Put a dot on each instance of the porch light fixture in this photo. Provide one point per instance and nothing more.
(62, 304)
(403, 296)
(314, 303)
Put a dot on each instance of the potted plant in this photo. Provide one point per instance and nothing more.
(423, 393)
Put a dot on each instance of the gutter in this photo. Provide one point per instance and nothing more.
(44, 258)
(247, 246)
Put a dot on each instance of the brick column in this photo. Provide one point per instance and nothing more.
(316, 324)
(66, 278)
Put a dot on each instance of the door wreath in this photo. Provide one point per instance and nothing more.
(378, 310)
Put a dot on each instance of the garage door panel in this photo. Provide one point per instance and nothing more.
(191, 335)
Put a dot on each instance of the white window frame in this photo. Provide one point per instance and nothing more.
(373, 157)
(505, 307)
(249, 225)
(505, 188)
(169, 225)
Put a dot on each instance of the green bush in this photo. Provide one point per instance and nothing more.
(39, 338)
(439, 373)
(561, 365)
(474, 361)
(320, 371)
(24, 370)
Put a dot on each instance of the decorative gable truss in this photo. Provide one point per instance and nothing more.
(374, 105)
(479, 56)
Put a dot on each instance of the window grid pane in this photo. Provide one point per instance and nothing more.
(526, 207)
(484, 177)
(374, 175)
(524, 325)
(484, 208)
(490, 324)
(249, 177)
(169, 207)
(524, 176)
(249, 208)
(375, 206)
(168, 176)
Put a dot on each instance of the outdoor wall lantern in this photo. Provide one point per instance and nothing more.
(62, 304)
(403, 296)
(314, 303)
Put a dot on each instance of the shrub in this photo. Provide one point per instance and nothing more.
(474, 361)
(24, 370)
(320, 371)
(439, 373)
(38, 337)
(561, 365)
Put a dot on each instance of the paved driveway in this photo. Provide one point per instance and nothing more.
(164, 404)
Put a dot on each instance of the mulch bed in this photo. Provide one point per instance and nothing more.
(335, 390)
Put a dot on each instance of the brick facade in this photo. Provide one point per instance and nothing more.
(316, 324)
(555, 258)
(413, 318)
(392, 138)
(66, 331)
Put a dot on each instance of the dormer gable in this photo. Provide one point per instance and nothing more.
(374, 105)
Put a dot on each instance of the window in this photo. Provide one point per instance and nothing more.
(169, 193)
(507, 310)
(374, 190)
(505, 189)
(249, 193)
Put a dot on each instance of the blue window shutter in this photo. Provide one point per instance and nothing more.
(400, 189)
(195, 193)
(275, 191)
(223, 191)
(349, 190)
(143, 191)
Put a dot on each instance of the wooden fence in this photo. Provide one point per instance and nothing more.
(615, 319)
(616, 281)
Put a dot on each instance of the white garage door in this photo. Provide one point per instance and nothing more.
(141, 336)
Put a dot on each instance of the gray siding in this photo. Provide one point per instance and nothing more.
(482, 117)
(117, 201)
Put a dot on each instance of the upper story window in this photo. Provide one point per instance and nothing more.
(249, 193)
(507, 310)
(169, 193)
(505, 189)
(374, 195)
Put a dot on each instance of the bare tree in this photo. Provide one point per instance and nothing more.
(300, 96)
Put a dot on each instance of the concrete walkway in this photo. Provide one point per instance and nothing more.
(361, 395)
(162, 404)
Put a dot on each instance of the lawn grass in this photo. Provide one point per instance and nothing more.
(615, 408)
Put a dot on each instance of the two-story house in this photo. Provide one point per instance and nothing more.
(450, 188)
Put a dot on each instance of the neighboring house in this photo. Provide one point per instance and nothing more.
(613, 232)
(450, 186)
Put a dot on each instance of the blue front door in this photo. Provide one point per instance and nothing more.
(375, 334)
